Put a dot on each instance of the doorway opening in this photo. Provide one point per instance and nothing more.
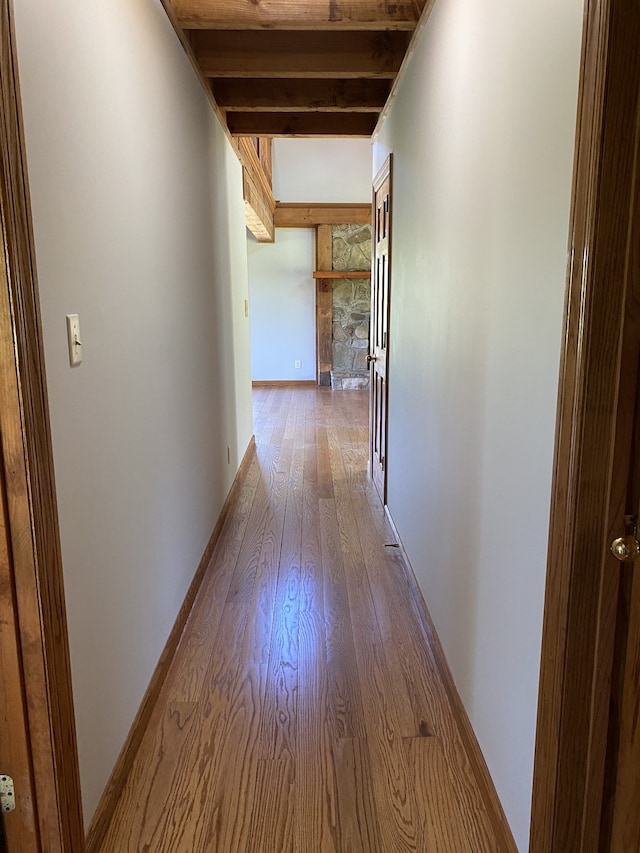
(309, 281)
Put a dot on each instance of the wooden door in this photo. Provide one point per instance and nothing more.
(620, 824)
(379, 344)
(20, 826)
(586, 793)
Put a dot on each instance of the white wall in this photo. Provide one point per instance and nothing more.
(283, 316)
(322, 170)
(139, 227)
(482, 132)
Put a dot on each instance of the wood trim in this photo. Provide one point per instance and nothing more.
(282, 53)
(479, 768)
(256, 189)
(324, 305)
(311, 215)
(342, 274)
(21, 830)
(251, 162)
(581, 591)
(284, 14)
(258, 198)
(27, 461)
(316, 123)
(381, 245)
(282, 383)
(115, 785)
(247, 94)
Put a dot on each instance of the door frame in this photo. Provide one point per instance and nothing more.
(27, 478)
(582, 580)
(384, 173)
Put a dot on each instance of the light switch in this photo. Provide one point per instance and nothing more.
(75, 341)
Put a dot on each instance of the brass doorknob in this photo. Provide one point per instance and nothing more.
(370, 358)
(626, 549)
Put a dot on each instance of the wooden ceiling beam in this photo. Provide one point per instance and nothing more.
(310, 215)
(263, 95)
(296, 15)
(301, 124)
(259, 202)
(299, 54)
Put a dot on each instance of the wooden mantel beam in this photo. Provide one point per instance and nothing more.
(298, 14)
(299, 54)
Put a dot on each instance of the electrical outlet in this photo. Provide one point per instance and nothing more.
(297, 363)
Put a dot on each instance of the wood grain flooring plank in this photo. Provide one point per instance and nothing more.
(172, 822)
(398, 632)
(316, 806)
(230, 798)
(231, 793)
(257, 404)
(346, 717)
(359, 830)
(153, 768)
(137, 824)
(279, 715)
(439, 807)
(355, 541)
(375, 534)
(186, 678)
(423, 691)
(272, 823)
(271, 443)
(400, 825)
(278, 727)
(271, 404)
(325, 480)
(466, 784)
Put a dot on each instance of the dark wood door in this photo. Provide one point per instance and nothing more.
(19, 830)
(586, 792)
(379, 342)
(620, 826)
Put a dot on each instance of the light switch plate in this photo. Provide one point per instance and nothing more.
(75, 341)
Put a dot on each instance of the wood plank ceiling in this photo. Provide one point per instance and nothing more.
(299, 67)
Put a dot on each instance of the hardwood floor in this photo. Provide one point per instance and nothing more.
(304, 711)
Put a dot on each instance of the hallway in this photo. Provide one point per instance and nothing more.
(304, 710)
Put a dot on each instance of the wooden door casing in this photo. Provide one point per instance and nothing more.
(379, 346)
(20, 826)
(582, 632)
(33, 590)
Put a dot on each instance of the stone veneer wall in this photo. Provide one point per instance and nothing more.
(351, 307)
